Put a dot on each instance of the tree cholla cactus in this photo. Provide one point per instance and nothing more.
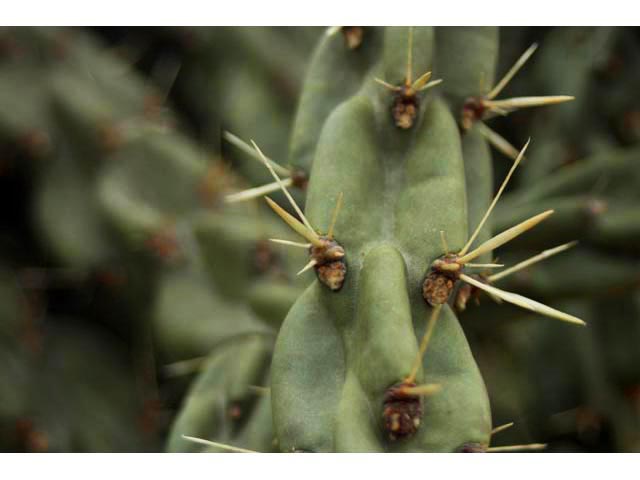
(388, 179)
(191, 262)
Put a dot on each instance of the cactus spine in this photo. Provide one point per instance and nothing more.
(141, 229)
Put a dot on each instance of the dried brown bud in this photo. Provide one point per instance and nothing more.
(402, 412)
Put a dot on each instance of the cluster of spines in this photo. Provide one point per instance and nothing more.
(444, 272)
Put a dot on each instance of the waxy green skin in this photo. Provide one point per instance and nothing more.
(337, 353)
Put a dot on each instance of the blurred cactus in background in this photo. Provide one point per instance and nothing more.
(142, 300)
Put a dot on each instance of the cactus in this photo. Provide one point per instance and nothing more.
(144, 190)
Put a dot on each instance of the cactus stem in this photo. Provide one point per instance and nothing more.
(308, 266)
(246, 148)
(284, 189)
(256, 192)
(290, 243)
(501, 428)
(421, 390)
(504, 237)
(297, 227)
(334, 217)
(223, 446)
(495, 91)
(424, 344)
(523, 302)
(531, 261)
(497, 140)
(515, 448)
(465, 249)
